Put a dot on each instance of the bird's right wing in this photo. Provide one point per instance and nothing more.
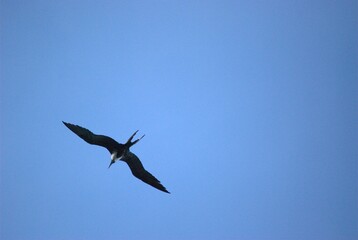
(139, 172)
(94, 139)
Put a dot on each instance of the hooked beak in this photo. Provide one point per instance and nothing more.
(111, 163)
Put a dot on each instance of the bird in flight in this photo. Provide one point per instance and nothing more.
(119, 151)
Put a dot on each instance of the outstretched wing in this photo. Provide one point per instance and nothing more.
(94, 139)
(138, 171)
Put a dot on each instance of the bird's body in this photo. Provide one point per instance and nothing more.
(119, 151)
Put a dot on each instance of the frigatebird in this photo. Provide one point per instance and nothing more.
(119, 151)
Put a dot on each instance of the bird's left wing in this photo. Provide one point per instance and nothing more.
(139, 172)
(94, 139)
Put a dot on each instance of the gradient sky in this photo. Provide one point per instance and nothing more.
(249, 110)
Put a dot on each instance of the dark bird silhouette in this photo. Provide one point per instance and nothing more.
(119, 151)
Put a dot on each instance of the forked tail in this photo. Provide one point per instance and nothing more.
(129, 143)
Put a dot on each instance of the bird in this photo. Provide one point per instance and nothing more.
(119, 151)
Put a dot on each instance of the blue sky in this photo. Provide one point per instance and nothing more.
(249, 110)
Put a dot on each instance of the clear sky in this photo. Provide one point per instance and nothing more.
(249, 110)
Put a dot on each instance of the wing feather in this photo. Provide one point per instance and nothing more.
(94, 139)
(139, 172)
